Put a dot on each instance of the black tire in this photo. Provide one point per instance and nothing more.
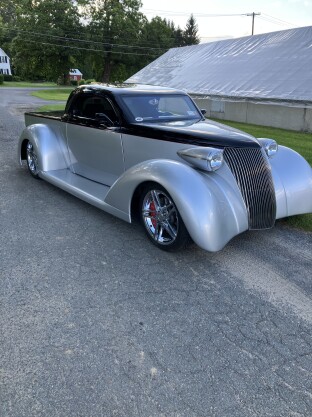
(32, 160)
(161, 219)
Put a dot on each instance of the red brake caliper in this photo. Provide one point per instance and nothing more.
(153, 214)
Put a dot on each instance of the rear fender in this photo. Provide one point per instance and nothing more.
(49, 146)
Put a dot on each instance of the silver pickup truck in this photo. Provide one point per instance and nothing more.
(148, 151)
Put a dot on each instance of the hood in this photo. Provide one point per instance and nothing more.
(200, 133)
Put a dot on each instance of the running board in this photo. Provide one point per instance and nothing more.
(87, 190)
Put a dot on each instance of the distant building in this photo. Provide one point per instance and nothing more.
(5, 67)
(75, 74)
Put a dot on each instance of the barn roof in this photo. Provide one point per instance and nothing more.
(270, 66)
(74, 71)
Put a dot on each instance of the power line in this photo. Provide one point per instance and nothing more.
(175, 13)
(83, 40)
(102, 42)
(282, 21)
(89, 49)
(140, 45)
(265, 19)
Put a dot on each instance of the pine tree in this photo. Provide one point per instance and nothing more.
(190, 36)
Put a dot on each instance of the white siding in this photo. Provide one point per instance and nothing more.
(5, 67)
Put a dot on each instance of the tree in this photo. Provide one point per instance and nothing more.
(178, 37)
(158, 36)
(45, 38)
(41, 46)
(116, 25)
(9, 10)
(190, 36)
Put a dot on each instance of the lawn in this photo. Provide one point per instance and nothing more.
(26, 84)
(52, 107)
(54, 94)
(299, 141)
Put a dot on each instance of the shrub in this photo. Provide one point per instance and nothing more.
(16, 78)
(1, 78)
(7, 77)
(74, 82)
(82, 81)
(91, 80)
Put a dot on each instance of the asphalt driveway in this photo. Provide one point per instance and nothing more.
(97, 322)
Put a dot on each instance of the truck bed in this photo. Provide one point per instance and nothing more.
(35, 116)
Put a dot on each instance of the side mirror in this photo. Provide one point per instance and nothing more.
(203, 111)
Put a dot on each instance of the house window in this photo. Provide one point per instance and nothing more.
(1, 71)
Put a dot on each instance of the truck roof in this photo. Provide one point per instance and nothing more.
(118, 89)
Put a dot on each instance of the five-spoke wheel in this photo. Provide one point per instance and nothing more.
(161, 219)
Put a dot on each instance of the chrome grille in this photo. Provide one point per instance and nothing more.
(253, 175)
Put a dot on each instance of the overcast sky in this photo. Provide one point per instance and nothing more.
(275, 15)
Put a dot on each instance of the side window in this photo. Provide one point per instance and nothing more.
(92, 106)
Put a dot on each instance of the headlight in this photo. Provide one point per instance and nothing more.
(215, 160)
(209, 159)
(269, 145)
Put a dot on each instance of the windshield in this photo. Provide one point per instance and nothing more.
(157, 107)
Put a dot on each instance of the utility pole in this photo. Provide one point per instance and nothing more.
(253, 14)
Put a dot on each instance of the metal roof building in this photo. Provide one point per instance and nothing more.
(268, 69)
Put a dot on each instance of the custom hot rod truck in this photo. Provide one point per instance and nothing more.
(148, 151)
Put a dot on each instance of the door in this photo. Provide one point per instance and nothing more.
(94, 139)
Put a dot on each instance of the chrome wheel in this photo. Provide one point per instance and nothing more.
(160, 217)
(32, 160)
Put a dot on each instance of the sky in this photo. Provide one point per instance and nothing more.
(275, 15)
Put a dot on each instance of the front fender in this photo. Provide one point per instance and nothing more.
(292, 176)
(213, 212)
(48, 144)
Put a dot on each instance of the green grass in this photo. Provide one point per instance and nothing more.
(302, 222)
(53, 94)
(299, 141)
(26, 84)
(52, 107)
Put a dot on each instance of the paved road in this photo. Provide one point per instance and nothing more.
(96, 322)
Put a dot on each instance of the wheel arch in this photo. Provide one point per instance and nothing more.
(210, 219)
(161, 219)
(136, 196)
(49, 145)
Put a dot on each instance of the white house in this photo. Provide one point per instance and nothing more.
(5, 67)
